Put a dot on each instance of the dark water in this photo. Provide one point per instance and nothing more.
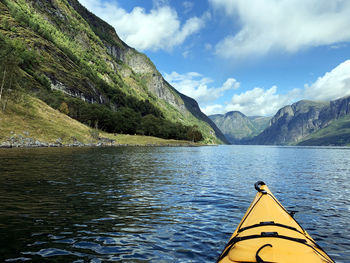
(161, 204)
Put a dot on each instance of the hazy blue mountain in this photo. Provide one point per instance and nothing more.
(239, 128)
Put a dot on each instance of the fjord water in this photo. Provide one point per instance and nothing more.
(162, 204)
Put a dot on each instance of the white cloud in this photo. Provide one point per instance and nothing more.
(159, 3)
(158, 29)
(195, 86)
(213, 109)
(261, 102)
(332, 85)
(230, 83)
(284, 25)
(186, 53)
(255, 102)
(188, 6)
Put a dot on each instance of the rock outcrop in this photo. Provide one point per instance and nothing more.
(24, 141)
(293, 123)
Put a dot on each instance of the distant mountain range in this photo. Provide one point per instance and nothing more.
(239, 128)
(302, 123)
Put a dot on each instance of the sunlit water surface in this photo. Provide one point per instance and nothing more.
(161, 204)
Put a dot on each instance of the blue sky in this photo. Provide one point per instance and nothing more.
(253, 56)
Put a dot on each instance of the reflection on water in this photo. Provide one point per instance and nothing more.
(161, 204)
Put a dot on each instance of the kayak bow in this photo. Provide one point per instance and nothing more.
(269, 233)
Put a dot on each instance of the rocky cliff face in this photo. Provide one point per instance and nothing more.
(338, 108)
(239, 128)
(139, 63)
(154, 81)
(293, 123)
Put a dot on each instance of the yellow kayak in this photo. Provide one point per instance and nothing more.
(269, 233)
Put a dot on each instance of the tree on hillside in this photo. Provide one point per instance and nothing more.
(8, 72)
(150, 125)
(14, 57)
(194, 134)
(64, 108)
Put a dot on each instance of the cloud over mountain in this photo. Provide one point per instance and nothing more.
(158, 29)
(332, 85)
(196, 86)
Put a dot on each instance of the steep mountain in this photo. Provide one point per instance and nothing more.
(239, 128)
(337, 133)
(304, 119)
(63, 54)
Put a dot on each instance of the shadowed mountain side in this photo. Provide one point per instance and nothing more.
(336, 133)
(193, 107)
(297, 122)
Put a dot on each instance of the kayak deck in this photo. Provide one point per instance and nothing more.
(269, 233)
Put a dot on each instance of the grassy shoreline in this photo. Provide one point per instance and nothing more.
(32, 123)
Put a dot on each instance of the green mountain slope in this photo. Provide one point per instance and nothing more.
(239, 128)
(63, 54)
